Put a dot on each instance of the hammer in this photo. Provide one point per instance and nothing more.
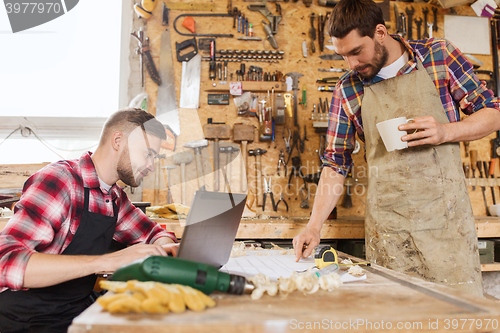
(182, 158)
(230, 151)
(258, 171)
(198, 145)
(169, 193)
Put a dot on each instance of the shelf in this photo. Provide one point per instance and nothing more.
(493, 267)
(246, 86)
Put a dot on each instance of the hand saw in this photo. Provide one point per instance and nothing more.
(166, 104)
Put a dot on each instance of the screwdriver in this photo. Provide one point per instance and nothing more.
(473, 162)
(466, 167)
(483, 188)
(492, 175)
(487, 172)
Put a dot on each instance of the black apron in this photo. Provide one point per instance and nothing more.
(52, 309)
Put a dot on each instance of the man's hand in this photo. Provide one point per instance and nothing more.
(309, 237)
(112, 261)
(424, 131)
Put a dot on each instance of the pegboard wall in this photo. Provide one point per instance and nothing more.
(293, 30)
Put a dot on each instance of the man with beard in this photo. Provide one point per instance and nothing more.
(64, 223)
(418, 217)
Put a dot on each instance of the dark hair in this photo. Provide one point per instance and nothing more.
(129, 119)
(348, 15)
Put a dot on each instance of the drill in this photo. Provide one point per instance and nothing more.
(205, 278)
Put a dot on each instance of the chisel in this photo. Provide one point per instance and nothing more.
(490, 171)
(483, 188)
(473, 160)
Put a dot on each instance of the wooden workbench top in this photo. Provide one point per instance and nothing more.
(385, 300)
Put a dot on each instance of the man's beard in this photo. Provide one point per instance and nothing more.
(124, 170)
(380, 59)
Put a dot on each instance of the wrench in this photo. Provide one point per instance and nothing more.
(425, 11)
(435, 10)
(305, 202)
(409, 14)
(418, 22)
(430, 25)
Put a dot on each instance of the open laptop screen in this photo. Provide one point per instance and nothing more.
(211, 227)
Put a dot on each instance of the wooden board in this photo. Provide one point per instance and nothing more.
(14, 175)
(383, 301)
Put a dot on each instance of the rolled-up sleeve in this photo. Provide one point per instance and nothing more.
(134, 226)
(465, 87)
(340, 140)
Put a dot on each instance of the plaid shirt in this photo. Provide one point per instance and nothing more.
(49, 213)
(451, 73)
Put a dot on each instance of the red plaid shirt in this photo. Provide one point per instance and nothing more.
(49, 212)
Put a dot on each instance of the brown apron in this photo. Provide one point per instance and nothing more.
(419, 218)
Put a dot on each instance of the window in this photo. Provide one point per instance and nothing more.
(61, 79)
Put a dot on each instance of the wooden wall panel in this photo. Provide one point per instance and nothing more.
(293, 29)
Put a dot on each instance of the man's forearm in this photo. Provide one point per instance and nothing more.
(474, 127)
(330, 187)
(45, 270)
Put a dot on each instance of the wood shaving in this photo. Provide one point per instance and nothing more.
(307, 282)
(241, 248)
(345, 262)
(355, 270)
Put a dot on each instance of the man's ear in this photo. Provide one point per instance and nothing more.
(380, 33)
(117, 140)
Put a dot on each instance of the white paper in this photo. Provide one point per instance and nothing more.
(274, 265)
(470, 34)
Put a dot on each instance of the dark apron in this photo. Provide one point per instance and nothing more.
(52, 309)
(418, 217)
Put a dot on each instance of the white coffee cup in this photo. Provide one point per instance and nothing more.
(494, 210)
(391, 135)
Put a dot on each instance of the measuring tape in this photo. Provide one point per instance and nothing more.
(326, 256)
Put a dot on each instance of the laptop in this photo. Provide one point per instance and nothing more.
(211, 227)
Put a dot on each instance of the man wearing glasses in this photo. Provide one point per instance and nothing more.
(64, 223)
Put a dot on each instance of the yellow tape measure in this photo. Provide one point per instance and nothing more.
(326, 255)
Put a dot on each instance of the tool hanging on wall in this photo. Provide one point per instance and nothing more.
(189, 24)
(425, 11)
(409, 13)
(321, 30)
(190, 83)
(347, 200)
(243, 133)
(166, 105)
(281, 163)
(145, 8)
(216, 131)
(268, 190)
(205, 34)
(198, 145)
(312, 32)
(258, 172)
(182, 158)
(271, 27)
(145, 56)
(168, 182)
(194, 6)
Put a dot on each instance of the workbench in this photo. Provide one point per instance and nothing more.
(385, 301)
(350, 227)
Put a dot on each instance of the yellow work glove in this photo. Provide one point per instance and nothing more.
(152, 297)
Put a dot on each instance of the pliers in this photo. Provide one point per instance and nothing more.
(282, 198)
(287, 141)
(281, 162)
(267, 186)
